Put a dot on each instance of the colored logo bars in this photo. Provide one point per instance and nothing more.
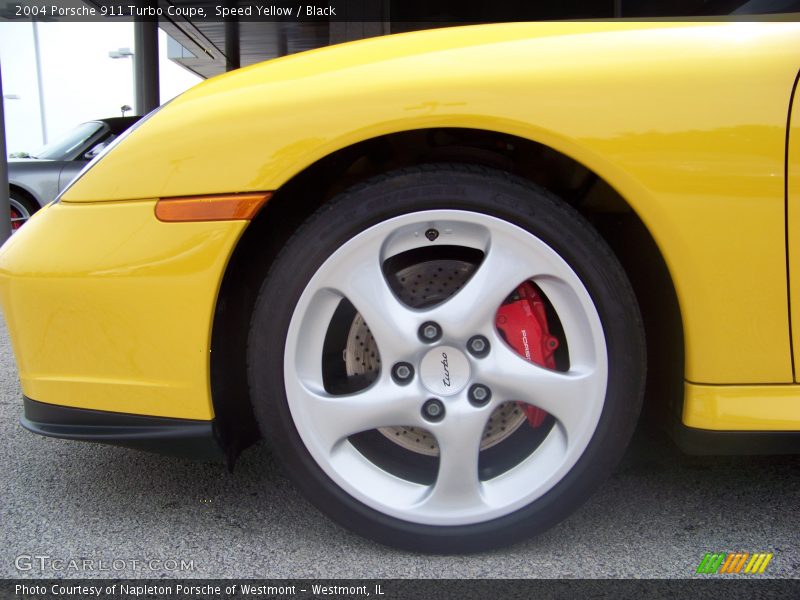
(738, 562)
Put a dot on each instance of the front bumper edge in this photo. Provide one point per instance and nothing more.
(184, 438)
(707, 442)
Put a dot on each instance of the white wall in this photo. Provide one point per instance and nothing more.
(80, 81)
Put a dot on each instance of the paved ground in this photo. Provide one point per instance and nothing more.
(656, 517)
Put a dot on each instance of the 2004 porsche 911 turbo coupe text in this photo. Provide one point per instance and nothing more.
(436, 271)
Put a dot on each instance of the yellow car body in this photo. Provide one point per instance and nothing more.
(111, 309)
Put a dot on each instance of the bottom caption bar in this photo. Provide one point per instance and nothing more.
(391, 589)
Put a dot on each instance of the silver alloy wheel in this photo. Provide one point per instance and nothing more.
(325, 421)
(19, 213)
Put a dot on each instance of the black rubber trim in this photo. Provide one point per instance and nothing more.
(185, 438)
(707, 442)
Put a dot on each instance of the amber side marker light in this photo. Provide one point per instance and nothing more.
(222, 207)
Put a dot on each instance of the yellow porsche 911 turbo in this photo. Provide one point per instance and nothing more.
(436, 271)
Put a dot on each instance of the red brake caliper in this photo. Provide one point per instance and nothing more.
(523, 322)
(15, 215)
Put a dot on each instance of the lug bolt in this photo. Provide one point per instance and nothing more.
(430, 332)
(402, 373)
(479, 394)
(433, 410)
(478, 346)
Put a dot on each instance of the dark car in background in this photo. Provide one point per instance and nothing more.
(37, 178)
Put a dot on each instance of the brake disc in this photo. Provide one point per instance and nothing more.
(423, 284)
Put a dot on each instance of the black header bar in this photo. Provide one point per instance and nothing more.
(444, 12)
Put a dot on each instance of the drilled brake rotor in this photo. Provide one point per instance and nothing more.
(420, 285)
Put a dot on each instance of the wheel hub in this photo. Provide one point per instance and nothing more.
(424, 284)
(444, 371)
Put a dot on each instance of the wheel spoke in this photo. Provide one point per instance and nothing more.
(334, 418)
(578, 330)
(360, 279)
(509, 260)
(474, 305)
(457, 484)
(572, 397)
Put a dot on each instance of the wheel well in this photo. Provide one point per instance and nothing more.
(25, 195)
(606, 209)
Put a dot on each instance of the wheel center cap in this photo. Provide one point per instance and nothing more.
(444, 370)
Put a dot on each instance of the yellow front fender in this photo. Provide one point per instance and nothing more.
(687, 122)
(111, 309)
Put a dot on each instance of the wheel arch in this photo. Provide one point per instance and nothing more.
(585, 180)
(25, 193)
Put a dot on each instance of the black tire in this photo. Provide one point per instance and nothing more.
(486, 192)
